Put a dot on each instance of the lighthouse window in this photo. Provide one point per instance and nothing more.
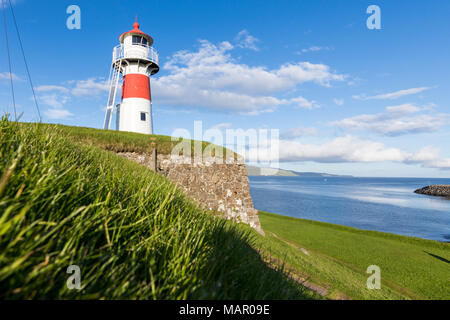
(138, 40)
(143, 116)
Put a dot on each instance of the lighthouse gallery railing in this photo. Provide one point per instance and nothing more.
(135, 52)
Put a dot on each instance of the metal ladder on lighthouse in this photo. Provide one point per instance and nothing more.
(113, 83)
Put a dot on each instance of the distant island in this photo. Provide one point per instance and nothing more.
(439, 191)
(253, 171)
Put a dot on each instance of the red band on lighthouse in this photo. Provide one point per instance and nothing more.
(136, 86)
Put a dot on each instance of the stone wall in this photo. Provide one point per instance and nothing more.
(214, 186)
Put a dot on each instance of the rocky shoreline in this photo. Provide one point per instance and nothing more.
(439, 191)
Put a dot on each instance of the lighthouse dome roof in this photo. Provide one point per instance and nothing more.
(136, 31)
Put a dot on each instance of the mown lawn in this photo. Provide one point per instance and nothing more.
(411, 268)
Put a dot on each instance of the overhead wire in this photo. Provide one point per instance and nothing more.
(24, 59)
(9, 62)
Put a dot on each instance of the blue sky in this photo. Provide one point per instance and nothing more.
(346, 99)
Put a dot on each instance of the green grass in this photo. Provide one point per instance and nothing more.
(118, 141)
(65, 200)
(411, 268)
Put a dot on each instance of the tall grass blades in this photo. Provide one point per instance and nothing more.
(132, 233)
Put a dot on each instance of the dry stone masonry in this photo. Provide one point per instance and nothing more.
(221, 187)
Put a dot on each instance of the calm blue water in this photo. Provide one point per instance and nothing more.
(381, 204)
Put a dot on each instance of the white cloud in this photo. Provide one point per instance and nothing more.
(303, 72)
(348, 149)
(403, 109)
(301, 102)
(222, 101)
(298, 132)
(221, 126)
(339, 102)
(429, 157)
(245, 40)
(392, 95)
(7, 76)
(13, 2)
(395, 121)
(51, 88)
(57, 96)
(54, 100)
(210, 78)
(90, 87)
(313, 49)
(342, 149)
(57, 114)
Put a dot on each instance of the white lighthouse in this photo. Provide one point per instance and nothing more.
(136, 60)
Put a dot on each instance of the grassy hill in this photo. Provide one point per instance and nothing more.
(118, 141)
(336, 258)
(65, 200)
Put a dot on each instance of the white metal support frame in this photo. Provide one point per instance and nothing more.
(113, 84)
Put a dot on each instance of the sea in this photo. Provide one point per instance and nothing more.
(380, 204)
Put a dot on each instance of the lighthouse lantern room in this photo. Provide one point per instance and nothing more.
(136, 60)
